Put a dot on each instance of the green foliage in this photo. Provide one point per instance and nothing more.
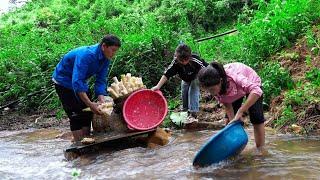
(75, 173)
(174, 103)
(46, 17)
(247, 15)
(166, 122)
(287, 116)
(199, 16)
(308, 60)
(314, 76)
(313, 41)
(295, 97)
(274, 79)
(274, 26)
(293, 56)
(35, 37)
(178, 118)
(295, 100)
(274, 29)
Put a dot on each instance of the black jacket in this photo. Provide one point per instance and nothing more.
(186, 72)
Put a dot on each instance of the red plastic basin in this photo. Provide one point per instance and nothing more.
(145, 109)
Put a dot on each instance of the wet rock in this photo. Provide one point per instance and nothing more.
(204, 125)
(159, 137)
(87, 141)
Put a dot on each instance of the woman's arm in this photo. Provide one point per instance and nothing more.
(229, 112)
(160, 83)
(252, 98)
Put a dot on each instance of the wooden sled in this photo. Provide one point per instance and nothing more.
(111, 141)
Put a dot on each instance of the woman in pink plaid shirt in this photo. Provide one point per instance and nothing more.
(230, 84)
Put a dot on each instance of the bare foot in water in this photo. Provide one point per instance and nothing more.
(261, 151)
(254, 151)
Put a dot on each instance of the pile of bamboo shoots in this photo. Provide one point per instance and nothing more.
(106, 108)
(126, 85)
(100, 123)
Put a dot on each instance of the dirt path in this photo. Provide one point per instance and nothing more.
(210, 113)
(12, 120)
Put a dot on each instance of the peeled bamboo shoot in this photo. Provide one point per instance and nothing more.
(115, 79)
(115, 87)
(113, 93)
(127, 84)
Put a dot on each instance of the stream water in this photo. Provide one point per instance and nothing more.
(38, 154)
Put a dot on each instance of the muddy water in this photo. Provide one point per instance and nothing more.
(37, 154)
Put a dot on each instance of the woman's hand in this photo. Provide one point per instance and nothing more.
(227, 121)
(238, 116)
(252, 98)
(162, 80)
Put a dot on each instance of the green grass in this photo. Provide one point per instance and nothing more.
(33, 39)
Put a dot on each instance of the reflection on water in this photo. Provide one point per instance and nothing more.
(37, 154)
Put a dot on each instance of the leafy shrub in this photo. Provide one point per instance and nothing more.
(30, 49)
(295, 97)
(313, 40)
(275, 25)
(314, 76)
(287, 116)
(46, 17)
(274, 79)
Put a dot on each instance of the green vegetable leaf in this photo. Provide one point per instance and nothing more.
(178, 117)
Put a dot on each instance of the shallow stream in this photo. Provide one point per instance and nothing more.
(38, 154)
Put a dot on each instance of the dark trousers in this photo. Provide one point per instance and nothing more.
(255, 111)
(73, 106)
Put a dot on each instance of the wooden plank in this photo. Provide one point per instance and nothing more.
(108, 137)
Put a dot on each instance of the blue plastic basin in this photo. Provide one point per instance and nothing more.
(228, 142)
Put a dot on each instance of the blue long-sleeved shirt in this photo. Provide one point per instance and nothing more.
(78, 65)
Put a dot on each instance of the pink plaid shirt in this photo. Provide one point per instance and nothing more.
(242, 80)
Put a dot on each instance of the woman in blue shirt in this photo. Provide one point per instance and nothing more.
(70, 77)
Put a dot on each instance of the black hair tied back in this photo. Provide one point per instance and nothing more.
(212, 75)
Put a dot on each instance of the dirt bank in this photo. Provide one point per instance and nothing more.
(13, 120)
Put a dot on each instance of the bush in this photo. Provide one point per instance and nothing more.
(34, 38)
(287, 116)
(274, 79)
(314, 76)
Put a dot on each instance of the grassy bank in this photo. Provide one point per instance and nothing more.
(33, 39)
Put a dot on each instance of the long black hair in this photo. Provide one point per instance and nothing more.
(213, 75)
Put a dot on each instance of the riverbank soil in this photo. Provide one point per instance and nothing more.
(211, 116)
(14, 120)
(299, 60)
